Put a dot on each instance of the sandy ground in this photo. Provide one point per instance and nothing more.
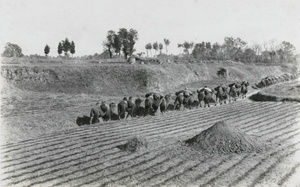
(89, 155)
(42, 144)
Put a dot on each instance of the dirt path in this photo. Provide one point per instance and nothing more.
(88, 156)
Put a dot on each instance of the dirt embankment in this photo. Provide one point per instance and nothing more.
(120, 79)
(284, 91)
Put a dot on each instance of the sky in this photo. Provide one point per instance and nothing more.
(34, 23)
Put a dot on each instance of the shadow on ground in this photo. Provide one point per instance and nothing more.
(264, 97)
(139, 112)
(261, 97)
(85, 120)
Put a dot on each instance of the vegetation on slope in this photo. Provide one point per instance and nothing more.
(125, 79)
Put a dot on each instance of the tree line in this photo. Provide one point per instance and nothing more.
(63, 46)
(234, 49)
(123, 41)
(66, 46)
(237, 50)
(13, 50)
(157, 47)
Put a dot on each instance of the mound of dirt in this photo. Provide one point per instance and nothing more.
(133, 144)
(223, 139)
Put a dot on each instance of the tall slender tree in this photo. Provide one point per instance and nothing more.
(60, 48)
(132, 37)
(108, 44)
(117, 45)
(160, 46)
(155, 47)
(66, 46)
(186, 45)
(180, 46)
(167, 43)
(148, 47)
(47, 50)
(72, 48)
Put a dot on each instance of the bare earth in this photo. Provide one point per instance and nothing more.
(88, 155)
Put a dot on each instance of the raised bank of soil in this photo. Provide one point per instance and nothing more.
(222, 138)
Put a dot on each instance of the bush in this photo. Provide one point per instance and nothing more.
(12, 50)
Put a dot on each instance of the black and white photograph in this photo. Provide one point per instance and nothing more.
(161, 93)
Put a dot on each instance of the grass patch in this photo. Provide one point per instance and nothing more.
(134, 144)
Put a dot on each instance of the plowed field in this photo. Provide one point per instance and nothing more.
(88, 155)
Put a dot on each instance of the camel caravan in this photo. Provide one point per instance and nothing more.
(157, 101)
(270, 80)
(183, 99)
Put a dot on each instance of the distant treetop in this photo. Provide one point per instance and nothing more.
(12, 50)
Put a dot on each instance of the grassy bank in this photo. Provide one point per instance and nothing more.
(126, 79)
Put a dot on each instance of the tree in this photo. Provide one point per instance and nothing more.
(265, 56)
(128, 40)
(66, 46)
(233, 48)
(249, 55)
(112, 43)
(123, 34)
(187, 46)
(167, 43)
(108, 44)
(160, 46)
(238, 54)
(273, 47)
(72, 48)
(216, 52)
(286, 52)
(202, 51)
(117, 44)
(238, 43)
(108, 47)
(148, 47)
(12, 50)
(191, 46)
(155, 47)
(180, 46)
(133, 37)
(199, 51)
(281, 55)
(272, 55)
(47, 50)
(257, 48)
(60, 49)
